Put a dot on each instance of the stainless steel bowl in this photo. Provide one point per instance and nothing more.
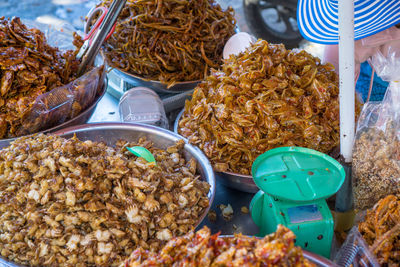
(110, 133)
(237, 181)
(80, 119)
(157, 86)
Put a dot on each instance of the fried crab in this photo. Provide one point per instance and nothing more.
(66, 202)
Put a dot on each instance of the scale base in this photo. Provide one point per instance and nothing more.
(312, 222)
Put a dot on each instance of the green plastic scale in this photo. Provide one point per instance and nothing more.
(294, 183)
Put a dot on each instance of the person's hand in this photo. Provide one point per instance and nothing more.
(382, 42)
(331, 55)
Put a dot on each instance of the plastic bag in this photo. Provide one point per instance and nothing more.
(376, 154)
(66, 102)
(63, 103)
(60, 35)
(355, 252)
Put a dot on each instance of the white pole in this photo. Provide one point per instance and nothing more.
(346, 77)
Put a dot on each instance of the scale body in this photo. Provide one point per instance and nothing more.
(294, 183)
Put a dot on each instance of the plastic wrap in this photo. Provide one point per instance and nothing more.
(60, 36)
(65, 102)
(376, 154)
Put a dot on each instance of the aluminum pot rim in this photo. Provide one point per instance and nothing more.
(154, 81)
(176, 126)
(156, 85)
(193, 150)
(153, 84)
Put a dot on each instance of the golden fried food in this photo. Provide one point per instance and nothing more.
(203, 249)
(169, 41)
(29, 67)
(375, 165)
(66, 202)
(381, 230)
(261, 99)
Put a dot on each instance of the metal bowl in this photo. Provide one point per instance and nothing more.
(80, 119)
(110, 133)
(241, 182)
(237, 181)
(156, 86)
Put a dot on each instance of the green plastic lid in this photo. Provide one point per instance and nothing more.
(297, 174)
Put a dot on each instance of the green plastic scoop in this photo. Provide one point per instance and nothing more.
(142, 153)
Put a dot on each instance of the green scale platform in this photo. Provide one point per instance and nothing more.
(294, 183)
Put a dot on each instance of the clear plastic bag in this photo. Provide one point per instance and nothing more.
(65, 102)
(355, 252)
(376, 154)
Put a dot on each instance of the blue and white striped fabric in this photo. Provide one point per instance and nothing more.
(318, 19)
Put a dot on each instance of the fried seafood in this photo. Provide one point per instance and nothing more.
(66, 202)
(169, 40)
(203, 249)
(375, 166)
(29, 67)
(263, 98)
(381, 230)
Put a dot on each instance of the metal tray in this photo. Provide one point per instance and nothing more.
(237, 181)
(110, 133)
(80, 119)
(157, 86)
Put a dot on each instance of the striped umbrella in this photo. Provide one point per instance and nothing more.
(318, 20)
